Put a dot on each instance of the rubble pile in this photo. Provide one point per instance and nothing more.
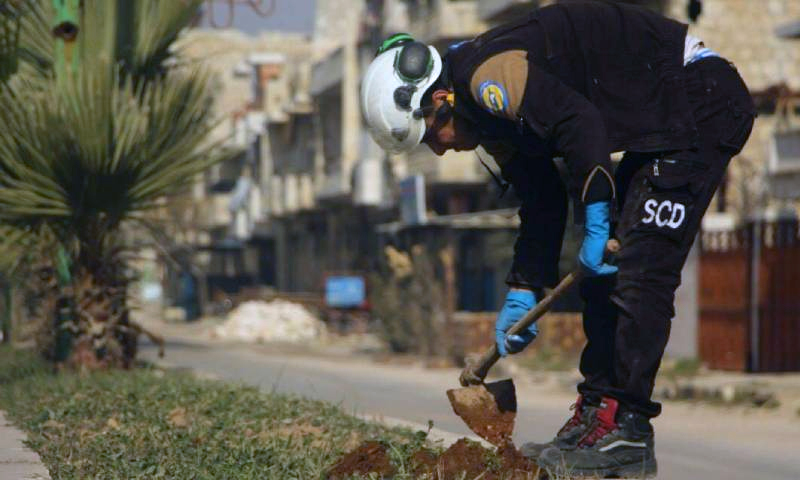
(275, 321)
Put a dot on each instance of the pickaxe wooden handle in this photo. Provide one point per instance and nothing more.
(474, 373)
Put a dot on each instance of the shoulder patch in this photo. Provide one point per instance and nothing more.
(498, 84)
(493, 97)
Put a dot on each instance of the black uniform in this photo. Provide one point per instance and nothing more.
(580, 80)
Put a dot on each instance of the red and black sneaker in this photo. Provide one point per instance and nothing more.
(568, 436)
(616, 445)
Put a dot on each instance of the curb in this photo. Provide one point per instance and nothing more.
(17, 461)
(435, 434)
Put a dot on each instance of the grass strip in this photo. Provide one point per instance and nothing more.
(148, 423)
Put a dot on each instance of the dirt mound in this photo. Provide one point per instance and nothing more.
(369, 457)
(516, 465)
(464, 459)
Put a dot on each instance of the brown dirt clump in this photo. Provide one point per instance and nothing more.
(370, 457)
(423, 462)
(488, 409)
(465, 457)
(516, 466)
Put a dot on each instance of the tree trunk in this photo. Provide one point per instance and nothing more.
(6, 311)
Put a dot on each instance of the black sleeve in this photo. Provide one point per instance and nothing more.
(575, 126)
(543, 217)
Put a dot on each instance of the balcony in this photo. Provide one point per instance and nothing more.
(332, 187)
(222, 177)
(328, 73)
(216, 212)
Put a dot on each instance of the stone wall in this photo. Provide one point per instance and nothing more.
(558, 332)
(744, 32)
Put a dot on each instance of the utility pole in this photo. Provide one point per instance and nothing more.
(6, 311)
(66, 30)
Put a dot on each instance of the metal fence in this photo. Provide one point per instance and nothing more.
(750, 298)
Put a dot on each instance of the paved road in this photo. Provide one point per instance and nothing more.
(692, 442)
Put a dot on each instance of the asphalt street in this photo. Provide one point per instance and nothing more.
(692, 442)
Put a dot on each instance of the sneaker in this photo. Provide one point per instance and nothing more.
(616, 445)
(568, 436)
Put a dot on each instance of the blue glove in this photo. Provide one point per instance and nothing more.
(596, 233)
(517, 304)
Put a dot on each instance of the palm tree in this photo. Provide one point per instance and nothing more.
(88, 155)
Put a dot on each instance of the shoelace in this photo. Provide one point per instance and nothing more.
(597, 430)
(574, 421)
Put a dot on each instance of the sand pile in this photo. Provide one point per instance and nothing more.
(275, 321)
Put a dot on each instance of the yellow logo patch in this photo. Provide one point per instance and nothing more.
(493, 97)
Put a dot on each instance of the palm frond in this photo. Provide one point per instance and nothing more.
(17, 246)
(92, 150)
(158, 25)
(25, 41)
(36, 46)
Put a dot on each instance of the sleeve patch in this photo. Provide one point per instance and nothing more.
(493, 97)
(498, 84)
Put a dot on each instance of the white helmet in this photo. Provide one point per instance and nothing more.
(392, 90)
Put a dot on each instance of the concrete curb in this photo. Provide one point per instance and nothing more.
(17, 461)
(435, 435)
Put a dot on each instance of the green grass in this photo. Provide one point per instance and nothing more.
(148, 423)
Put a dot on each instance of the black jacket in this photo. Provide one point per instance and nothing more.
(602, 77)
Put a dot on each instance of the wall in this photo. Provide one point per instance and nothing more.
(683, 337)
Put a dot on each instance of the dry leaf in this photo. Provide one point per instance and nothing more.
(113, 423)
(177, 418)
(53, 424)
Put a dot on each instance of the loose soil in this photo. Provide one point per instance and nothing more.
(369, 457)
(423, 462)
(488, 409)
(516, 464)
(464, 459)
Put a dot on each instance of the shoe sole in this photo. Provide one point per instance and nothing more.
(533, 454)
(646, 469)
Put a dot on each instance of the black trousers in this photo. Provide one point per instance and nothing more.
(662, 198)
